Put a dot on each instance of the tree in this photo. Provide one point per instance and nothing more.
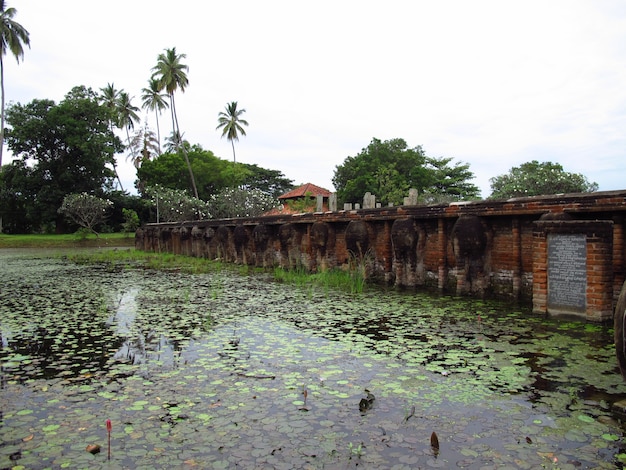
(175, 205)
(171, 74)
(271, 182)
(154, 100)
(537, 179)
(127, 115)
(170, 170)
(85, 210)
(213, 174)
(231, 123)
(63, 148)
(237, 202)
(144, 146)
(389, 169)
(13, 37)
(109, 97)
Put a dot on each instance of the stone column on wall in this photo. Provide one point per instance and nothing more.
(319, 203)
(573, 268)
(332, 202)
(369, 201)
(411, 200)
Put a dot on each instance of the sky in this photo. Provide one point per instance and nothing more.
(490, 83)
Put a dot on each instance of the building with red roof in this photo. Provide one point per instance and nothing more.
(303, 199)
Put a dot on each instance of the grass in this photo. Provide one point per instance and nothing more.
(118, 259)
(352, 280)
(70, 240)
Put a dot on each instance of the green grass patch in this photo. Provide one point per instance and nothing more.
(70, 240)
(124, 259)
(352, 281)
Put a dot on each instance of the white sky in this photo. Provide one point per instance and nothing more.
(490, 83)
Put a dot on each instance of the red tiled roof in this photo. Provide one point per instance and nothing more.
(304, 189)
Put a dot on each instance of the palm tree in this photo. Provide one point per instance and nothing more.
(144, 146)
(171, 75)
(154, 100)
(231, 123)
(127, 115)
(13, 36)
(109, 98)
(174, 141)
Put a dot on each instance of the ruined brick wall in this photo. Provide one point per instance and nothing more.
(485, 248)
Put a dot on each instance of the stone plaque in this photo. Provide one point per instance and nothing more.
(567, 272)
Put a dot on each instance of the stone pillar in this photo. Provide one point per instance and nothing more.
(369, 201)
(411, 200)
(332, 202)
(319, 206)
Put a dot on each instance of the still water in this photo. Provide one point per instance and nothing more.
(224, 370)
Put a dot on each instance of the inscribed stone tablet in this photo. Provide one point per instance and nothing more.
(567, 271)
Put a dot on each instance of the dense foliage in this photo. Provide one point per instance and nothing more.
(61, 149)
(213, 174)
(537, 179)
(389, 169)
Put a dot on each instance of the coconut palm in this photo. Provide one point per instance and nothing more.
(231, 123)
(171, 74)
(174, 141)
(127, 114)
(13, 37)
(154, 100)
(110, 98)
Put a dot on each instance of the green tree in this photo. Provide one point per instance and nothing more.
(64, 148)
(271, 182)
(127, 116)
(85, 210)
(171, 74)
(449, 182)
(16, 198)
(109, 97)
(154, 100)
(537, 179)
(231, 123)
(170, 170)
(389, 169)
(13, 37)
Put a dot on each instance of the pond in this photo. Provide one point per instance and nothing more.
(225, 370)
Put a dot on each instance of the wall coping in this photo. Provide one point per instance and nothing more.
(602, 201)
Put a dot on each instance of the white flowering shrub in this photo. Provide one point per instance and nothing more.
(85, 210)
(237, 202)
(175, 205)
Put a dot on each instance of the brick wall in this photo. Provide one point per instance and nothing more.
(484, 248)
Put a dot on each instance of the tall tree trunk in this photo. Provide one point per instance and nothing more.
(2, 110)
(181, 146)
(1, 120)
(156, 113)
(233, 144)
